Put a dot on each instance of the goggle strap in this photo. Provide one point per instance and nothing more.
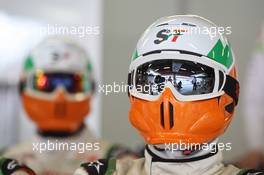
(231, 88)
(129, 82)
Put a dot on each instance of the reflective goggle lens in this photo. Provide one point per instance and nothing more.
(48, 82)
(187, 77)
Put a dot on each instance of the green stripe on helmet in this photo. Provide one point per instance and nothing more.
(221, 54)
(135, 55)
(28, 64)
(89, 67)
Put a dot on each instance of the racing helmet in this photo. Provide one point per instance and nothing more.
(182, 79)
(56, 85)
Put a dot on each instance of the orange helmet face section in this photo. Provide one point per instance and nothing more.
(58, 114)
(168, 120)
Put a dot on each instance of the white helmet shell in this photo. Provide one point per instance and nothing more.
(189, 33)
(57, 54)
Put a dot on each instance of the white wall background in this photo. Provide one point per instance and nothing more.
(28, 14)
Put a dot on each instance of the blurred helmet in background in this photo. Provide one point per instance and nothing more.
(57, 85)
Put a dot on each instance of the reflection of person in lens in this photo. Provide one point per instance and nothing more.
(170, 79)
(179, 85)
(160, 81)
(194, 82)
